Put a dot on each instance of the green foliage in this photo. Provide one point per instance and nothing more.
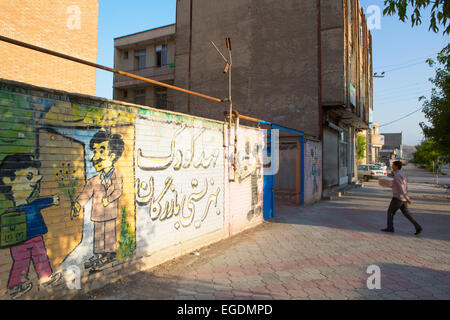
(440, 12)
(437, 108)
(426, 154)
(127, 238)
(361, 147)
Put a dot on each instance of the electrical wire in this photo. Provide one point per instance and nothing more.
(408, 86)
(409, 114)
(412, 95)
(407, 61)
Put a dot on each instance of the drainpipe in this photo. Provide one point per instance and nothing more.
(319, 71)
(190, 54)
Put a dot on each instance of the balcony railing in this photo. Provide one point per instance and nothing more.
(150, 72)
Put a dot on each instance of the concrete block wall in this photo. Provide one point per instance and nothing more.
(82, 176)
(275, 65)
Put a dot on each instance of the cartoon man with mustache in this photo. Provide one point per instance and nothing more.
(105, 190)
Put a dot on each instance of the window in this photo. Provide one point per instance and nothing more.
(139, 59)
(161, 98)
(139, 96)
(125, 55)
(343, 149)
(161, 55)
(125, 93)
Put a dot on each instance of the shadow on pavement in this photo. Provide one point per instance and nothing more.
(364, 210)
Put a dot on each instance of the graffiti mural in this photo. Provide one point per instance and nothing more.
(313, 174)
(86, 184)
(104, 189)
(54, 153)
(179, 181)
(246, 189)
(22, 225)
(249, 165)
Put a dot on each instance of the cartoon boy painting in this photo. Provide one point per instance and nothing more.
(22, 227)
(105, 189)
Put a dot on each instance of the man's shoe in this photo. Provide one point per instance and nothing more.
(111, 256)
(418, 231)
(92, 261)
(387, 230)
(54, 278)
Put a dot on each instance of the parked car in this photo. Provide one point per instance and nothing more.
(371, 171)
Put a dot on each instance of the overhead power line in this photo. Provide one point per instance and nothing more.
(409, 114)
(411, 95)
(403, 87)
(407, 61)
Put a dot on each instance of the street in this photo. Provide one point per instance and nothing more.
(316, 252)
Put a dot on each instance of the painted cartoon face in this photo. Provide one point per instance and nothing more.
(23, 186)
(102, 159)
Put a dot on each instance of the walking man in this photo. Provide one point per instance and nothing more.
(400, 199)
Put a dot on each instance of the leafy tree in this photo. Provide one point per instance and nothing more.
(426, 154)
(440, 12)
(361, 147)
(437, 108)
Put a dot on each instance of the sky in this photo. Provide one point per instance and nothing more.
(398, 49)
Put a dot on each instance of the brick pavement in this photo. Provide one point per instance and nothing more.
(316, 252)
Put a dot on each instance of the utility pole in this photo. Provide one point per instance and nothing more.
(227, 69)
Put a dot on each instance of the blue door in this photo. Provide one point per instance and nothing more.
(269, 184)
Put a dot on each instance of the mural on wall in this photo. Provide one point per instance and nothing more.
(313, 174)
(85, 182)
(59, 157)
(179, 180)
(246, 187)
(22, 225)
(249, 165)
(104, 189)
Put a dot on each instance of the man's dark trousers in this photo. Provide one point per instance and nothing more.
(403, 206)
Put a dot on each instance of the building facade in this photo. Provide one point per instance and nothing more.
(66, 26)
(393, 146)
(149, 54)
(374, 142)
(305, 65)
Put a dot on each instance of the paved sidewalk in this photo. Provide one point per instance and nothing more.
(316, 252)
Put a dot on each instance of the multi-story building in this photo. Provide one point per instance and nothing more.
(393, 146)
(66, 26)
(149, 54)
(305, 65)
(376, 144)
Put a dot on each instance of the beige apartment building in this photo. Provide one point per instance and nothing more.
(150, 54)
(66, 26)
(376, 144)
